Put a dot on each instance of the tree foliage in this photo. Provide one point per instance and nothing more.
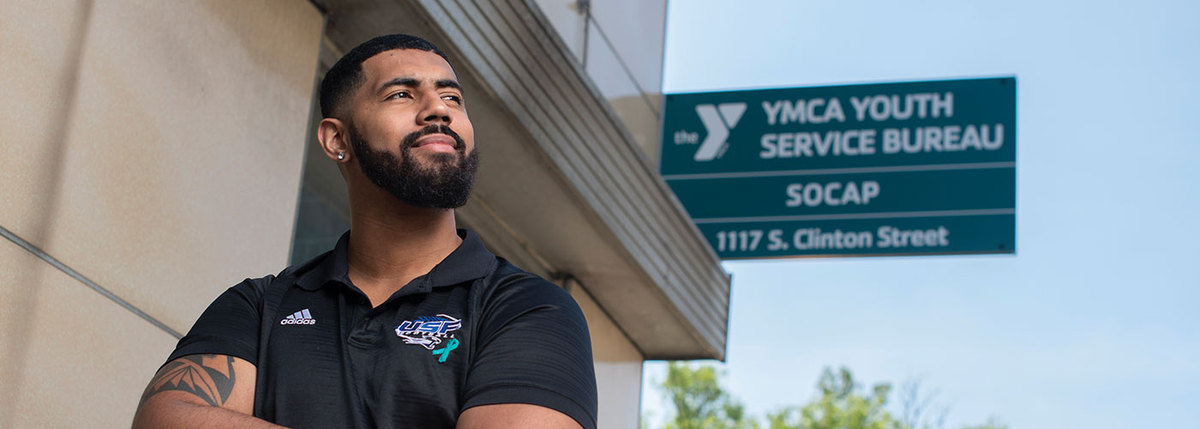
(841, 403)
(700, 401)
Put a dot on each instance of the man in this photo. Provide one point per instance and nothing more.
(407, 322)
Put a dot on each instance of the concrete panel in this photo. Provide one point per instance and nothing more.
(618, 367)
(569, 21)
(68, 356)
(40, 43)
(636, 106)
(636, 31)
(179, 167)
(620, 394)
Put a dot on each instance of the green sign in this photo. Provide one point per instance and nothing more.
(883, 169)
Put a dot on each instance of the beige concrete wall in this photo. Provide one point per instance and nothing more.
(618, 367)
(155, 147)
(70, 357)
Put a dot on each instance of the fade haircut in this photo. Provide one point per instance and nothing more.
(346, 75)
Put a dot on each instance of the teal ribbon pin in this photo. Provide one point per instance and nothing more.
(445, 351)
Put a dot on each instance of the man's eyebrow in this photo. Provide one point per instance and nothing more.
(411, 82)
(400, 81)
(449, 83)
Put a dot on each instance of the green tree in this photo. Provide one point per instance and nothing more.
(700, 401)
(841, 405)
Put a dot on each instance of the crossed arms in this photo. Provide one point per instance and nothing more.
(218, 391)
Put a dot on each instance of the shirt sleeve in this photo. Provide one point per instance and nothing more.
(230, 325)
(534, 348)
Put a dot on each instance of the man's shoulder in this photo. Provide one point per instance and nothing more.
(283, 279)
(515, 286)
(507, 275)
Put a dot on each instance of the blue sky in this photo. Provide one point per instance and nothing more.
(1095, 321)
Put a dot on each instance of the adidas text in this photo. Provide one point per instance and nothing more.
(297, 322)
(302, 317)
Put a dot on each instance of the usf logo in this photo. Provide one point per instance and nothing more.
(718, 121)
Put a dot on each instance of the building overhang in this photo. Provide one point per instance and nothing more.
(563, 190)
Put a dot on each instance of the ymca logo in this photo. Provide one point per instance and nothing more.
(718, 121)
(302, 317)
(427, 331)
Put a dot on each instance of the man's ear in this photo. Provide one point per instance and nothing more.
(334, 139)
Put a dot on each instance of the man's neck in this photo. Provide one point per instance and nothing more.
(393, 243)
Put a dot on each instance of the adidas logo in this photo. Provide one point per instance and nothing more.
(302, 317)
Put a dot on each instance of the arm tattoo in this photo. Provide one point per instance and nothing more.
(209, 377)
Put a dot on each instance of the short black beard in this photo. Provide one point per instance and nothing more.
(446, 184)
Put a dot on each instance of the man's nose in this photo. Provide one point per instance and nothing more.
(435, 110)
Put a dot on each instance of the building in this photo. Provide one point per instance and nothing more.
(157, 153)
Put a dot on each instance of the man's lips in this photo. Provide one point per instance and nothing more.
(436, 142)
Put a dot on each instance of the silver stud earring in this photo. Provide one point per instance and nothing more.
(341, 156)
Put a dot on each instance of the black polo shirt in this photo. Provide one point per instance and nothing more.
(475, 330)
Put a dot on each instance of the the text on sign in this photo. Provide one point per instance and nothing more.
(831, 194)
(884, 107)
(885, 237)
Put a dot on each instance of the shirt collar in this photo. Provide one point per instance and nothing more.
(471, 260)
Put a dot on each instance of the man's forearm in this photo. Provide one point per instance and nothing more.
(201, 391)
(164, 411)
